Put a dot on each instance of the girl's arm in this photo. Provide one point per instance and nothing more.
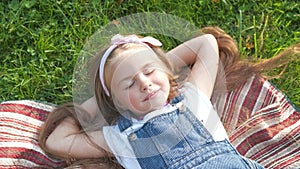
(202, 52)
(67, 141)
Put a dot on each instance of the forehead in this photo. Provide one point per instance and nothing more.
(134, 59)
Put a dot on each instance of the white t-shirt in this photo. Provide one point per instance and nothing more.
(194, 99)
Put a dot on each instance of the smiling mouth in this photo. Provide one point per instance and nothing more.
(151, 95)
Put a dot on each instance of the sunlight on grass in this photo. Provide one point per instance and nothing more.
(41, 40)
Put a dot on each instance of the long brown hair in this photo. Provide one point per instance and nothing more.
(237, 72)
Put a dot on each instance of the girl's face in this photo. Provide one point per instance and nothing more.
(139, 81)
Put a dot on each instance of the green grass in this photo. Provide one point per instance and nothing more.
(41, 40)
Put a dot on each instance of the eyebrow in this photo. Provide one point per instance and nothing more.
(130, 77)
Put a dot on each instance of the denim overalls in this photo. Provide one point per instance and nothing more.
(177, 139)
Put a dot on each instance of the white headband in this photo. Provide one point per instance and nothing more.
(119, 40)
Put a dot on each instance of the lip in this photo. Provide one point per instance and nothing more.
(151, 95)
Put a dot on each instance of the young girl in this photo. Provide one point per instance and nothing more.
(154, 120)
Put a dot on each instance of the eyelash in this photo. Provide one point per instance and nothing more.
(147, 72)
(130, 85)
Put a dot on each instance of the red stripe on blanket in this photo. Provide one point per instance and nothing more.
(272, 95)
(15, 167)
(9, 137)
(231, 99)
(30, 111)
(239, 103)
(251, 97)
(271, 112)
(291, 160)
(30, 155)
(281, 146)
(266, 134)
(19, 125)
(242, 129)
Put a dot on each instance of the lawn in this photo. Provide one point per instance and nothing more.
(40, 41)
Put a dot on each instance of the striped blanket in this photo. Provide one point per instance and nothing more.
(20, 122)
(261, 123)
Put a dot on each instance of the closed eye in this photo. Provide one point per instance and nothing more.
(130, 84)
(149, 71)
(146, 72)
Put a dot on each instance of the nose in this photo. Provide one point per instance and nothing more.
(144, 81)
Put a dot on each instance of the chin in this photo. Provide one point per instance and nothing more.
(147, 109)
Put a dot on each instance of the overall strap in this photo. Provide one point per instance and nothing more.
(177, 99)
(124, 123)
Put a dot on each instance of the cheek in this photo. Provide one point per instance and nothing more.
(164, 81)
(133, 98)
(128, 100)
(120, 99)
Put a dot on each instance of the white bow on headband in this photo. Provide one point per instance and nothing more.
(119, 40)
